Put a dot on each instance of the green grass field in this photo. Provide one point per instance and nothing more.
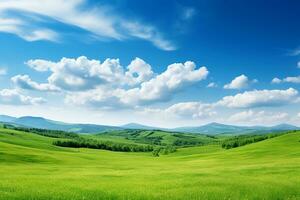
(31, 167)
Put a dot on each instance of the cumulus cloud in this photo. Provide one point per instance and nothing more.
(138, 71)
(81, 73)
(295, 79)
(183, 110)
(259, 98)
(159, 88)
(239, 82)
(258, 117)
(14, 97)
(195, 110)
(291, 79)
(24, 82)
(28, 19)
(91, 82)
(276, 80)
(40, 65)
(162, 86)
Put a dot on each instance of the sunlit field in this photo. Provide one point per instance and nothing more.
(31, 167)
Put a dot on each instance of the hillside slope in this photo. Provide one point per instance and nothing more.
(32, 168)
(157, 137)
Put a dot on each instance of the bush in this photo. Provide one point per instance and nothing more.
(156, 151)
(163, 150)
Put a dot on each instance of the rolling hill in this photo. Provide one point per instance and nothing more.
(157, 137)
(39, 122)
(32, 167)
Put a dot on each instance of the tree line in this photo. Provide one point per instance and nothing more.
(242, 140)
(44, 132)
(105, 145)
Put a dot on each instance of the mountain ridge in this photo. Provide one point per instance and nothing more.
(208, 129)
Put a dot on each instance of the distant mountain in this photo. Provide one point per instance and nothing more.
(138, 126)
(208, 129)
(216, 128)
(212, 128)
(39, 122)
(5, 118)
(285, 127)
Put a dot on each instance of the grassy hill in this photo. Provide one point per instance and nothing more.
(156, 137)
(31, 167)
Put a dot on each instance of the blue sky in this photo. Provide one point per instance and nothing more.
(163, 63)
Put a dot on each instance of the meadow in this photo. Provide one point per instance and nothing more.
(31, 167)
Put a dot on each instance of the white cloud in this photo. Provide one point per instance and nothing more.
(138, 71)
(291, 79)
(3, 71)
(26, 18)
(81, 73)
(239, 82)
(24, 82)
(182, 111)
(13, 96)
(298, 64)
(162, 86)
(259, 98)
(148, 33)
(92, 82)
(295, 79)
(276, 80)
(294, 52)
(84, 74)
(258, 117)
(212, 85)
(40, 65)
(195, 110)
(25, 31)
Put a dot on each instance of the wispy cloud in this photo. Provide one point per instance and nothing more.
(294, 52)
(3, 71)
(188, 13)
(24, 18)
